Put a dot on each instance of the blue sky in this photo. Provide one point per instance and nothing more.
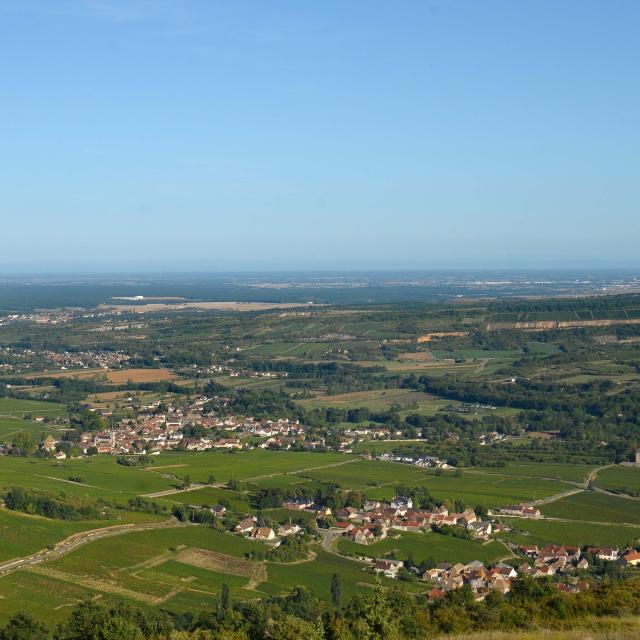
(201, 134)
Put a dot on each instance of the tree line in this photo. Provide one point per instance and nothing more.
(384, 614)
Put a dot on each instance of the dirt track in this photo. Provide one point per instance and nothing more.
(78, 539)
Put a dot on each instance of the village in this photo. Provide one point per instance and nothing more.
(377, 520)
(191, 431)
(192, 425)
(16, 361)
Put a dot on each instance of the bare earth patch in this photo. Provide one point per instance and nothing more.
(117, 376)
(140, 375)
(222, 563)
(214, 306)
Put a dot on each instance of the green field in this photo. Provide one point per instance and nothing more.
(542, 348)
(316, 575)
(543, 532)
(249, 383)
(18, 408)
(473, 354)
(595, 507)
(150, 569)
(375, 400)
(9, 427)
(119, 553)
(12, 412)
(422, 546)
(619, 478)
(102, 477)
(211, 496)
(50, 598)
(23, 534)
(240, 466)
(289, 349)
(172, 574)
(557, 471)
(380, 480)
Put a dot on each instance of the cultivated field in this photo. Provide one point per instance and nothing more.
(122, 376)
(13, 407)
(595, 507)
(182, 568)
(543, 532)
(381, 480)
(624, 479)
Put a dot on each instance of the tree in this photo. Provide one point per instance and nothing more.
(336, 589)
(289, 627)
(481, 512)
(22, 627)
(186, 482)
(119, 628)
(224, 601)
(378, 616)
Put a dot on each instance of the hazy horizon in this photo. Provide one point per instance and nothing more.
(87, 270)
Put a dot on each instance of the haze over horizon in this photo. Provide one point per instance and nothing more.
(196, 136)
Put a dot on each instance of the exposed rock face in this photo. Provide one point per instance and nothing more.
(542, 325)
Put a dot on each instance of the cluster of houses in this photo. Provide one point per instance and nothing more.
(372, 431)
(480, 578)
(547, 561)
(426, 462)
(247, 373)
(152, 432)
(95, 359)
(23, 360)
(519, 511)
(52, 316)
(552, 560)
(627, 557)
(376, 519)
(248, 528)
(490, 438)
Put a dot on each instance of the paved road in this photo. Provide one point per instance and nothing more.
(78, 539)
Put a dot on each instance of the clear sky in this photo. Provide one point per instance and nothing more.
(207, 134)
